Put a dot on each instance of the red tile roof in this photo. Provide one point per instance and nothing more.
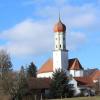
(44, 83)
(74, 64)
(87, 81)
(95, 75)
(46, 67)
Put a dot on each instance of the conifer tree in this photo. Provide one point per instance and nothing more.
(58, 85)
(31, 70)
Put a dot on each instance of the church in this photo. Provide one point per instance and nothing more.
(61, 60)
(60, 56)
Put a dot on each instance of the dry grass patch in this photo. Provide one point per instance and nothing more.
(4, 97)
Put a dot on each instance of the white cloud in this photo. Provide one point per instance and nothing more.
(33, 38)
(27, 38)
(84, 16)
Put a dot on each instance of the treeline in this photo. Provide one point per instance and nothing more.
(14, 83)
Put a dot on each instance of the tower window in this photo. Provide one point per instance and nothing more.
(60, 45)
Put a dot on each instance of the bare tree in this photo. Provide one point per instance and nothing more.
(5, 62)
(15, 84)
(12, 83)
(98, 86)
(5, 67)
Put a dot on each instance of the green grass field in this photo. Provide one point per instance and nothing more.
(75, 98)
(81, 98)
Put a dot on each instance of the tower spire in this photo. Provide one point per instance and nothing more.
(59, 16)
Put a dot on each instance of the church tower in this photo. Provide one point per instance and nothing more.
(60, 53)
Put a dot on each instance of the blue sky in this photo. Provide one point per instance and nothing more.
(26, 30)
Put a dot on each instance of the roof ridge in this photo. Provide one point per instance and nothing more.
(72, 58)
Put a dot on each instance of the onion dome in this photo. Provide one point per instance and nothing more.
(59, 27)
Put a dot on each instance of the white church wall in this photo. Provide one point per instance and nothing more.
(56, 60)
(60, 60)
(76, 73)
(60, 41)
(71, 72)
(64, 57)
(46, 75)
(57, 47)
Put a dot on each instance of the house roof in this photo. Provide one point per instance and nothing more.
(46, 67)
(74, 64)
(44, 83)
(95, 75)
(86, 81)
(39, 83)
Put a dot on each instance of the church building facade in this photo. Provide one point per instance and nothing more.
(60, 56)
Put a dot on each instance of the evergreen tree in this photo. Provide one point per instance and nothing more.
(58, 85)
(70, 87)
(32, 70)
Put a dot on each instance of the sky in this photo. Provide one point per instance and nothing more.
(26, 30)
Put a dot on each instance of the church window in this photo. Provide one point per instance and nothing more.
(60, 45)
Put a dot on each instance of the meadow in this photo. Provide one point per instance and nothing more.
(75, 98)
(81, 98)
